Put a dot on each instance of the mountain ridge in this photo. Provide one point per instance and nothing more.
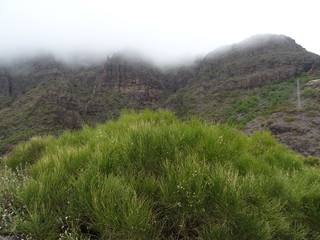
(49, 96)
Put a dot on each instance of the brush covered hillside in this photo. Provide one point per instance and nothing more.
(272, 107)
(149, 175)
(235, 84)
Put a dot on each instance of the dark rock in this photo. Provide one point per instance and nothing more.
(280, 128)
(300, 135)
(316, 122)
(128, 76)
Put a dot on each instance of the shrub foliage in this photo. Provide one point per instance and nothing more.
(150, 176)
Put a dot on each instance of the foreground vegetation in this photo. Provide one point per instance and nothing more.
(151, 176)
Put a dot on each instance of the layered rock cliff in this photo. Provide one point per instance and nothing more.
(129, 76)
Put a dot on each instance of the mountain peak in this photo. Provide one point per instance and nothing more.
(257, 44)
(270, 40)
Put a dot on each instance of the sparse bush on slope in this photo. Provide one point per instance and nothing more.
(150, 176)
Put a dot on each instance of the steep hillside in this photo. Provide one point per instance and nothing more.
(232, 84)
(255, 62)
(46, 96)
(297, 128)
(256, 77)
(272, 107)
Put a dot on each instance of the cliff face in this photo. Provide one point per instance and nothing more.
(140, 80)
(136, 78)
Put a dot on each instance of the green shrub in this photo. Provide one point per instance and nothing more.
(269, 122)
(311, 113)
(312, 161)
(151, 176)
(310, 93)
(29, 152)
(289, 119)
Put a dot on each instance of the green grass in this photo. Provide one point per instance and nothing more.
(271, 98)
(289, 119)
(240, 106)
(150, 176)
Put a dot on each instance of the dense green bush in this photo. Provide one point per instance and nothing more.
(28, 152)
(151, 176)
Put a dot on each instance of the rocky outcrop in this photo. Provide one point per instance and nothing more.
(134, 77)
(298, 130)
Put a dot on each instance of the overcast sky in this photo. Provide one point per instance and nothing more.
(165, 30)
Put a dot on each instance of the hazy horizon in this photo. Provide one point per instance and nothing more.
(166, 32)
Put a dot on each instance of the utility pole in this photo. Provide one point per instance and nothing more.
(298, 94)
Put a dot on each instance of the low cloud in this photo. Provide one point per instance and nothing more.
(165, 31)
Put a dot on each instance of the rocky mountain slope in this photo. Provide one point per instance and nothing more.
(44, 96)
(256, 62)
(297, 128)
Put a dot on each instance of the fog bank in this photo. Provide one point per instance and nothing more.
(164, 31)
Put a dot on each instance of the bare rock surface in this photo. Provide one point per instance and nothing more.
(298, 130)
